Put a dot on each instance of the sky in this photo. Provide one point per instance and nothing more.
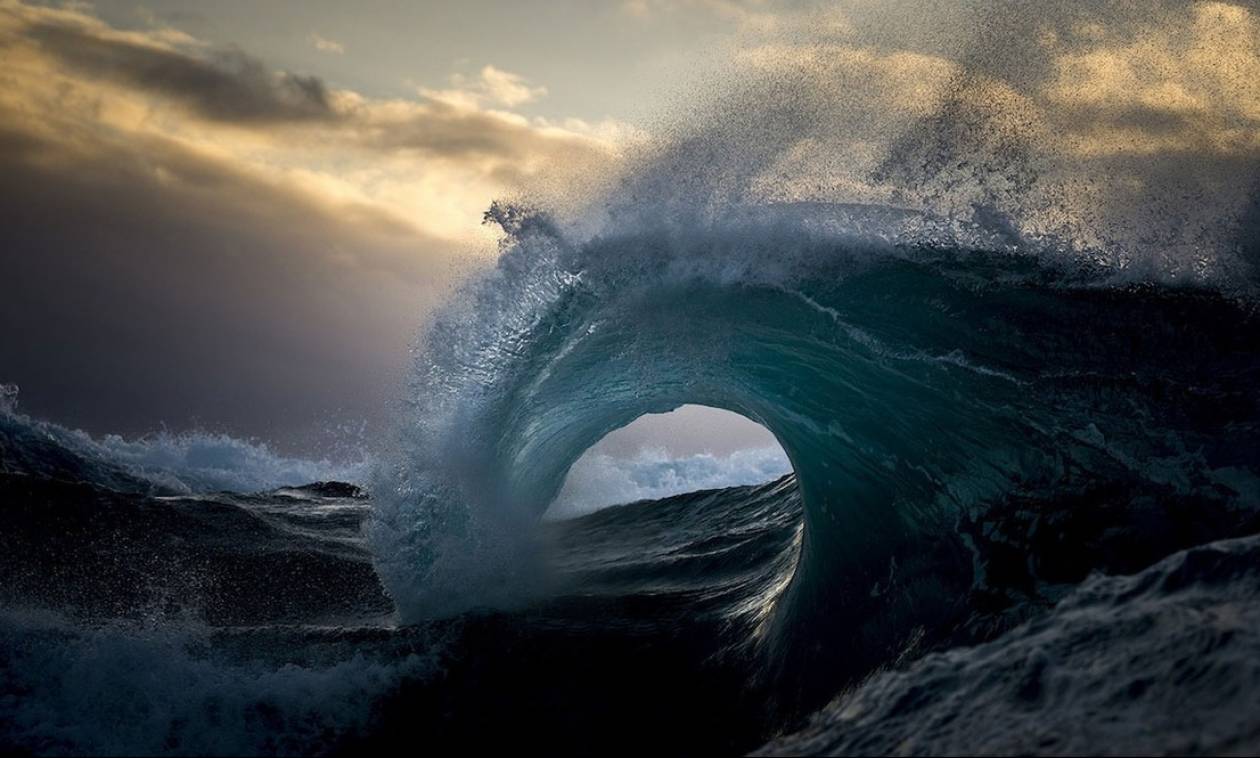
(238, 215)
(659, 455)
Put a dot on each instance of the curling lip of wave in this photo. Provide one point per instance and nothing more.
(848, 332)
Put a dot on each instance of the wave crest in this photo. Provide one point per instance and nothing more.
(173, 462)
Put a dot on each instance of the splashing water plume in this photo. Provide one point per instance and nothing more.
(898, 262)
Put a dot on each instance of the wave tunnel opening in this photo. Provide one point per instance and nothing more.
(663, 455)
(938, 464)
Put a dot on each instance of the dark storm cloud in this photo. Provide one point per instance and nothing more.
(135, 298)
(1149, 118)
(227, 85)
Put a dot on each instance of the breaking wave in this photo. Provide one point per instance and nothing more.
(173, 462)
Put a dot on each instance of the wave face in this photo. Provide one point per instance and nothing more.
(996, 358)
(1167, 654)
(932, 391)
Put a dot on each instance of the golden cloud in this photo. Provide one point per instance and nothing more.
(434, 162)
(201, 235)
(1192, 87)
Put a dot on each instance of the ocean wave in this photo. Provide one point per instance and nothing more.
(176, 462)
(940, 402)
(962, 340)
(150, 689)
(1161, 662)
(199, 461)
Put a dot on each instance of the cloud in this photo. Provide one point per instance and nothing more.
(325, 45)
(637, 8)
(507, 146)
(159, 286)
(1193, 86)
(490, 87)
(746, 15)
(202, 237)
(224, 85)
(436, 160)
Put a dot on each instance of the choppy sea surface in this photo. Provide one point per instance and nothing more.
(1018, 522)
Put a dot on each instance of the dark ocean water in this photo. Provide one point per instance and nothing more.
(1001, 444)
(136, 623)
(1017, 524)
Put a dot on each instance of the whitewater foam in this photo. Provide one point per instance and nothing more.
(193, 461)
(599, 480)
